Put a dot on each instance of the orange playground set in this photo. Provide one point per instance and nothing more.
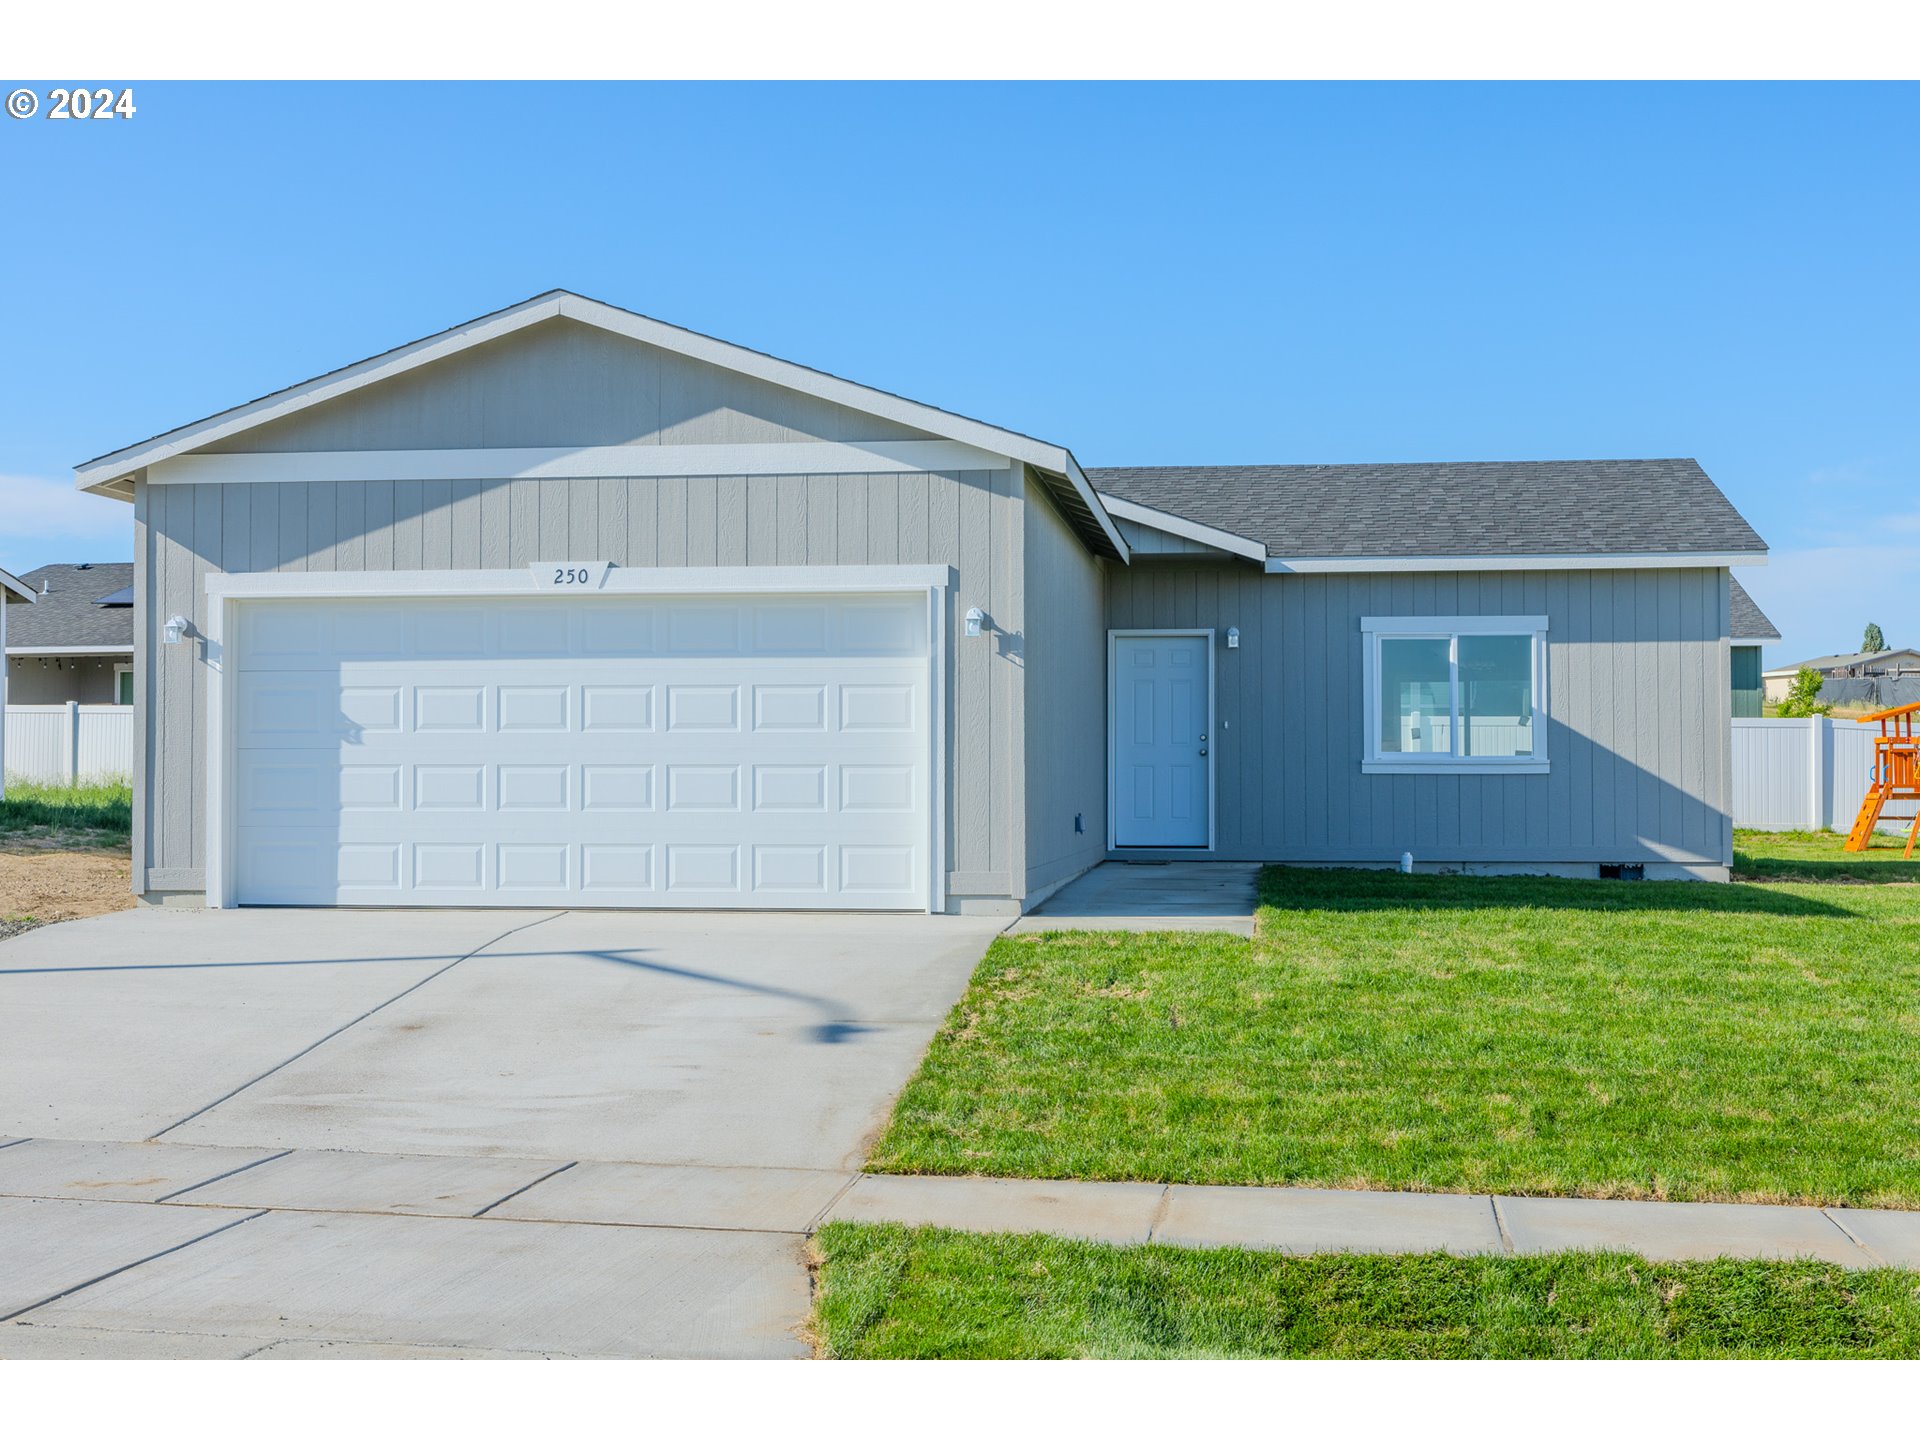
(1896, 774)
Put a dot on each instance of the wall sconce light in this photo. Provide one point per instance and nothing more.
(174, 630)
(976, 621)
(1233, 637)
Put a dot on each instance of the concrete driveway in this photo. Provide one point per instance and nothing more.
(285, 1133)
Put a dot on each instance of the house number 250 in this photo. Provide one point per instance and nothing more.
(569, 574)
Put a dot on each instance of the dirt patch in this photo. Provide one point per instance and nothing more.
(48, 885)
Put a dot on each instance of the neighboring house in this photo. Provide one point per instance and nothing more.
(13, 592)
(1750, 632)
(1861, 665)
(77, 641)
(567, 606)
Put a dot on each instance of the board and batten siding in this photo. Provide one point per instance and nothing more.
(563, 383)
(969, 520)
(1637, 730)
(1066, 706)
(1144, 540)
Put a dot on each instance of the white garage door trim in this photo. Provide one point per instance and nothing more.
(225, 593)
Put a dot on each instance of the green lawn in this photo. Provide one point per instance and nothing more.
(888, 1292)
(66, 816)
(1819, 855)
(1684, 1041)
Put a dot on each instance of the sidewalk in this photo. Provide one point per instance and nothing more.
(150, 1248)
(1308, 1221)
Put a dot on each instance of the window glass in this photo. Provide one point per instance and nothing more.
(1415, 696)
(123, 688)
(1496, 695)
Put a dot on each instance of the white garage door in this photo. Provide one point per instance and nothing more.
(623, 751)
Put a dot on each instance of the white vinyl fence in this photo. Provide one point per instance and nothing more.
(65, 743)
(1804, 774)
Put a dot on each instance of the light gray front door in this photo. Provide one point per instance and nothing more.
(1161, 740)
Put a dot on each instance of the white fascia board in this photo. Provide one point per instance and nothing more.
(1095, 502)
(94, 474)
(1363, 565)
(620, 580)
(97, 473)
(54, 650)
(578, 462)
(1752, 639)
(15, 591)
(1186, 529)
(816, 383)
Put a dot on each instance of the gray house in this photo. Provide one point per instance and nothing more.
(1750, 633)
(13, 593)
(77, 641)
(570, 606)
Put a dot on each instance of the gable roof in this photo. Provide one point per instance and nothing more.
(70, 613)
(112, 473)
(1745, 620)
(13, 591)
(1317, 516)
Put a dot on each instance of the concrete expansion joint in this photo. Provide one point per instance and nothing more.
(342, 1029)
(1159, 1216)
(1500, 1222)
(1841, 1226)
(223, 1175)
(511, 1194)
(821, 1215)
(130, 1265)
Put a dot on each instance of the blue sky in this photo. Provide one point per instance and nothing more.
(1202, 274)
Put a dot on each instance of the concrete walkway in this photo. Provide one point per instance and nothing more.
(1303, 1222)
(1134, 895)
(153, 1249)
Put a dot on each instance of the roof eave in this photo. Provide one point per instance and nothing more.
(113, 473)
(1169, 523)
(1599, 560)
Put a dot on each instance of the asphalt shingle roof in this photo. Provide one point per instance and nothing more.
(67, 614)
(1746, 620)
(1546, 507)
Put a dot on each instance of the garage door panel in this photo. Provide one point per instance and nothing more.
(743, 762)
(703, 709)
(533, 709)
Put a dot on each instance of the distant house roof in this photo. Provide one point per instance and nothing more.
(1746, 621)
(71, 614)
(1548, 508)
(1867, 660)
(13, 590)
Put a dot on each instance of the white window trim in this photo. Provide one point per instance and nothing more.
(1373, 628)
(226, 591)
